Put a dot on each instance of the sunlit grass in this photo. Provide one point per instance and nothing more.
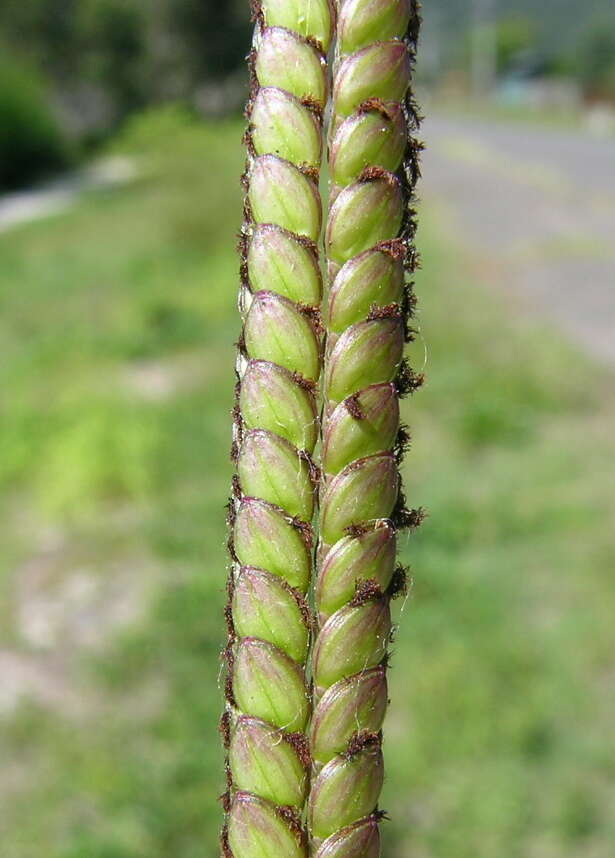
(118, 327)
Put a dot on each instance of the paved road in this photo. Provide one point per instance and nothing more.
(541, 204)
(59, 195)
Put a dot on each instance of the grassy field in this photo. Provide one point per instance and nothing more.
(118, 321)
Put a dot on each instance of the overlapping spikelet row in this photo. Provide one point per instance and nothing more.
(369, 246)
(275, 432)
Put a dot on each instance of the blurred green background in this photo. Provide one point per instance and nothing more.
(118, 278)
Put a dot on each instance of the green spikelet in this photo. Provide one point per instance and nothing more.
(369, 246)
(275, 432)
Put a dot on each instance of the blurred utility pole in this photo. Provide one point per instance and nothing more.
(484, 47)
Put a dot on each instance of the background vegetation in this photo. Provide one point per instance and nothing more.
(31, 141)
(100, 60)
(118, 320)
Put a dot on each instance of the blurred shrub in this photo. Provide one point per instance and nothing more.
(596, 57)
(105, 59)
(31, 143)
(115, 32)
(148, 133)
(516, 38)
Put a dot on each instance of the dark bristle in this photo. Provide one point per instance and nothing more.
(224, 728)
(314, 315)
(357, 530)
(353, 406)
(306, 530)
(407, 380)
(366, 590)
(293, 820)
(237, 417)
(380, 815)
(374, 174)
(374, 105)
(409, 301)
(399, 583)
(304, 241)
(407, 519)
(225, 800)
(231, 512)
(247, 140)
(416, 517)
(360, 741)
(229, 776)
(305, 383)
(314, 470)
(312, 173)
(395, 247)
(389, 311)
(228, 690)
(300, 743)
(313, 106)
(230, 625)
(230, 587)
(228, 655)
(315, 43)
(241, 344)
(302, 604)
(224, 844)
(402, 443)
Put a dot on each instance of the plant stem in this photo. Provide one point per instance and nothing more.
(373, 162)
(275, 432)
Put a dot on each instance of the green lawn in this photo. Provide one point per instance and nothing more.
(118, 321)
